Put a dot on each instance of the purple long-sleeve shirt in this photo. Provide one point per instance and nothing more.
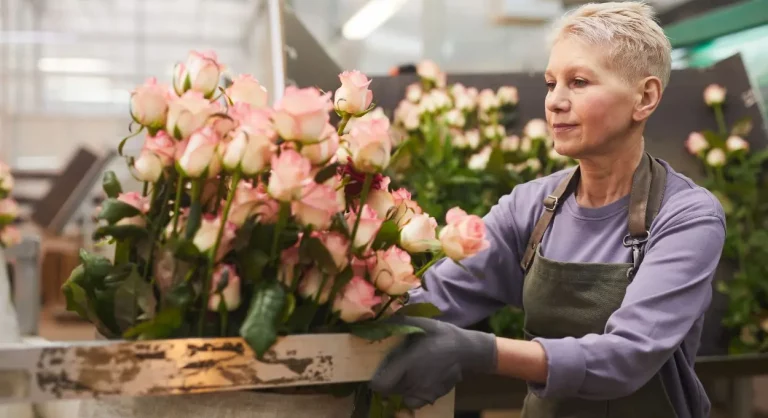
(658, 326)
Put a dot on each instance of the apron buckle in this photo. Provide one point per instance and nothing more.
(636, 243)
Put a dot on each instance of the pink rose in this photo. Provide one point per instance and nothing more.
(507, 95)
(289, 259)
(370, 145)
(418, 235)
(536, 129)
(696, 143)
(407, 115)
(149, 104)
(429, 70)
(393, 273)
(320, 153)
(353, 96)
(136, 200)
(487, 101)
(413, 92)
(148, 167)
(188, 113)
(290, 173)
(736, 143)
(716, 157)
(6, 178)
(249, 152)
(163, 146)
(10, 236)
(368, 228)
(302, 114)
(316, 206)
(361, 266)
(463, 236)
(309, 286)
(337, 245)
(406, 208)
(356, 301)
(231, 292)
(714, 94)
(199, 73)
(253, 119)
(199, 157)
(249, 201)
(381, 201)
(205, 237)
(246, 89)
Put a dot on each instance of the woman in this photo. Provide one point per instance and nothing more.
(612, 261)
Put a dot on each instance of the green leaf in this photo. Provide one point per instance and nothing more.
(76, 297)
(163, 325)
(113, 210)
(387, 236)
(95, 267)
(111, 184)
(120, 232)
(326, 173)
(742, 127)
(375, 331)
(185, 250)
(312, 248)
(252, 262)
(180, 295)
(426, 310)
(194, 220)
(260, 327)
(133, 297)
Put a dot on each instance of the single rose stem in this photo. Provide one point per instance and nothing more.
(282, 218)
(437, 257)
(153, 235)
(720, 119)
(363, 196)
(343, 124)
(384, 308)
(212, 255)
(220, 192)
(145, 190)
(177, 203)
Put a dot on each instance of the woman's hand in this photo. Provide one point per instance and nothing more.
(428, 366)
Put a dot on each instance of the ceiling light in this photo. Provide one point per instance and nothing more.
(72, 65)
(370, 17)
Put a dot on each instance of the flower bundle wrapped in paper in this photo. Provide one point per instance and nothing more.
(259, 221)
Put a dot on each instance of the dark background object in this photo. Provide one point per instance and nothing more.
(682, 110)
(690, 9)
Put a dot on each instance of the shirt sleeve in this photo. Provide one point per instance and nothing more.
(494, 276)
(670, 292)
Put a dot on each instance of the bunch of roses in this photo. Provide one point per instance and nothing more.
(244, 193)
(709, 146)
(9, 209)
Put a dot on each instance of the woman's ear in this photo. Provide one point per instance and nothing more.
(649, 91)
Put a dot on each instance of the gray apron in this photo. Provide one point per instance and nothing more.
(575, 299)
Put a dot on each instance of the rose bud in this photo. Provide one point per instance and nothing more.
(139, 202)
(463, 236)
(716, 157)
(149, 104)
(201, 73)
(393, 272)
(246, 89)
(163, 146)
(536, 129)
(316, 206)
(290, 173)
(337, 245)
(248, 152)
(736, 143)
(302, 114)
(148, 167)
(188, 113)
(356, 300)
(321, 152)
(309, 286)
(507, 95)
(418, 235)
(353, 97)
(205, 237)
(371, 145)
(714, 94)
(231, 291)
(367, 229)
(199, 158)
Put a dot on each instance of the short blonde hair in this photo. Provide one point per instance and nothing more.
(637, 44)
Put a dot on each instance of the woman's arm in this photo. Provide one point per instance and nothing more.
(465, 298)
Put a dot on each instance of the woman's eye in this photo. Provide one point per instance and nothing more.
(550, 85)
(579, 82)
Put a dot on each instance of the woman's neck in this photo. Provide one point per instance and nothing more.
(608, 178)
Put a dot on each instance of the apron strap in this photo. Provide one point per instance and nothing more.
(551, 203)
(648, 184)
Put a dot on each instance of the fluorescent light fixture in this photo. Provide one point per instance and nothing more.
(370, 17)
(72, 65)
(36, 37)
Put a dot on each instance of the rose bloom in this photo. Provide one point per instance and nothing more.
(463, 236)
(200, 72)
(302, 114)
(290, 173)
(418, 235)
(149, 104)
(316, 206)
(393, 272)
(367, 229)
(188, 113)
(371, 145)
(356, 301)
(353, 96)
(231, 292)
(246, 89)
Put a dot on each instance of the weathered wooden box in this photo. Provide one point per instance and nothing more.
(142, 379)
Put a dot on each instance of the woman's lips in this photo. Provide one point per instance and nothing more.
(563, 127)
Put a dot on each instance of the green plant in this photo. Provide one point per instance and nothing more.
(735, 175)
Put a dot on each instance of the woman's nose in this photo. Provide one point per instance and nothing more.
(557, 100)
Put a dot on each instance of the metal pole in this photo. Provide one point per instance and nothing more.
(276, 47)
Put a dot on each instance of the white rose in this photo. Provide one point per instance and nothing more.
(736, 143)
(413, 93)
(536, 129)
(716, 157)
(246, 89)
(187, 114)
(419, 234)
(479, 161)
(714, 94)
(148, 167)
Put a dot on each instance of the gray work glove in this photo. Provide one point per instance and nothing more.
(427, 366)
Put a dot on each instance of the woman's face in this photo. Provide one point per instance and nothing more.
(589, 107)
